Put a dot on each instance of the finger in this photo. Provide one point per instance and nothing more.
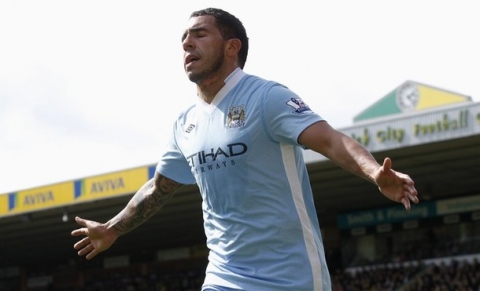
(80, 221)
(92, 254)
(408, 183)
(413, 198)
(406, 202)
(82, 243)
(85, 250)
(79, 231)
(411, 193)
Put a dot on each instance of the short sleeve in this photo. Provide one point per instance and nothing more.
(173, 164)
(285, 115)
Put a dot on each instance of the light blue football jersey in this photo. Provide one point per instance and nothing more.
(259, 216)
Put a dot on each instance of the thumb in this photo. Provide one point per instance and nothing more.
(387, 165)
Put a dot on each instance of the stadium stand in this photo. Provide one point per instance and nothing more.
(370, 244)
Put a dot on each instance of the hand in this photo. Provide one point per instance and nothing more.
(98, 238)
(396, 186)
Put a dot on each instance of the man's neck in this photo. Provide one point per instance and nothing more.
(208, 89)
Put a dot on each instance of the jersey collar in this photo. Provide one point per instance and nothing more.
(230, 82)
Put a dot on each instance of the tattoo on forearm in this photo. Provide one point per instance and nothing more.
(145, 203)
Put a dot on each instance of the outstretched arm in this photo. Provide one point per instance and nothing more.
(353, 157)
(143, 205)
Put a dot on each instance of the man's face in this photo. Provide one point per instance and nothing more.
(203, 47)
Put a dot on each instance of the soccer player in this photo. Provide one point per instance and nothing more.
(241, 142)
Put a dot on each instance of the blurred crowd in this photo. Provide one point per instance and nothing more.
(175, 281)
(421, 250)
(433, 265)
(453, 276)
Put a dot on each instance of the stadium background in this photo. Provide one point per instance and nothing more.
(430, 133)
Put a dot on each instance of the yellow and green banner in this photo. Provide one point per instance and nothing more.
(36, 198)
(411, 97)
(115, 184)
(77, 191)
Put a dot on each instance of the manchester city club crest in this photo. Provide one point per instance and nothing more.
(236, 116)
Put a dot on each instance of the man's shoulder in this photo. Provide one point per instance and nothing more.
(258, 80)
(253, 82)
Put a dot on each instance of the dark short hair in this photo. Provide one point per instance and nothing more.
(230, 27)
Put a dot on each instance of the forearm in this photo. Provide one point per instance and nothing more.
(340, 149)
(353, 157)
(148, 200)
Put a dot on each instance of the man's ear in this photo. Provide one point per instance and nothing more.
(233, 47)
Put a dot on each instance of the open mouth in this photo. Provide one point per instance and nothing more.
(190, 59)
